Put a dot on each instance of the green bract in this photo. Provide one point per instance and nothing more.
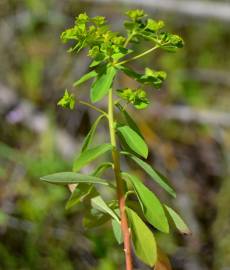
(171, 42)
(136, 97)
(135, 14)
(67, 101)
(93, 33)
(133, 218)
(150, 77)
(154, 26)
(153, 77)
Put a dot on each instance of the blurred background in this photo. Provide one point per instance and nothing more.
(187, 130)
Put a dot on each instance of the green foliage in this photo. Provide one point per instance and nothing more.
(93, 33)
(149, 201)
(153, 77)
(64, 178)
(117, 231)
(110, 53)
(171, 42)
(90, 155)
(134, 15)
(89, 137)
(102, 84)
(143, 239)
(67, 101)
(86, 77)
(134, 141)
(78, 195)
(136, 97)
(178, 221)
(140, 27)
(99, 204)
(150, 77)
(131, 123)
(156, 176)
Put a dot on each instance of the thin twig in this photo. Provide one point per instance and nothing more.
(138, 56)
(93, 107)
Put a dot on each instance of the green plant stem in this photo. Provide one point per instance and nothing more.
(93, 107)
(138, 56)
(128, 39)
(120, 185)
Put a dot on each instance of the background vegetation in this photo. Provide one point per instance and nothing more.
(187, 130)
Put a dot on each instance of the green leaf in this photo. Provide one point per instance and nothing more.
(78, 195)
(135, 14)
(79, 34)
(134, 141)
(151, 206)
(99, 20)
(125, 146)
(86, 77)
(117, 231)
(143, 239)
(94, 63)
(119, 51)
(152, 77)
(153, 25)
(136, 97)
(65, 178)
(88, 139)
(130, 72)
(67, 101)
(102, 84)
(90, 155)
(178, 221)
(101, 168)
(129, 120)
(157, 177)
(99, 204)
(94, 218)
(170, 42)
(136, 207)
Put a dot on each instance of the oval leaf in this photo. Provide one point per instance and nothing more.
(90, 155)
(134, 141)
(65, 178)
(129, 120)
(88, 139)
(178, 221)
(102, 84)
(151, 206)
(143, 239)
(86, 77)
(157, 177)
(99, 204)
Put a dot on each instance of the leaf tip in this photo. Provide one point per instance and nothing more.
(43, 178)
(186, 232)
